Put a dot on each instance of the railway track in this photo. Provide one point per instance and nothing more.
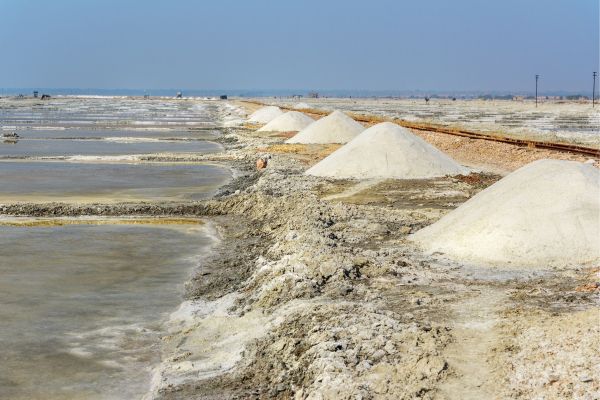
(371, 119)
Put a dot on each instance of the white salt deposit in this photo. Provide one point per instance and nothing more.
(387, 150)
(291, 121)
(265, 115)
(301, 106)
(545, 213)
(337, 127)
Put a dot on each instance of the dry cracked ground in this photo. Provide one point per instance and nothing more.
(314, 292)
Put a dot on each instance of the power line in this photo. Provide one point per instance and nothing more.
(595, 74)
(536, 87)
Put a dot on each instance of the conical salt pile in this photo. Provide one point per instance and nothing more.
(545, 213)
(291, 121)
(265, 115)
(387, 150)
(337, 127)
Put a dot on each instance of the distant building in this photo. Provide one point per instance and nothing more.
(578, 97)
(223, 97)
(313, 95)
(35, 94)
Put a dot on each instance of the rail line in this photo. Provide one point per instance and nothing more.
(372, 119)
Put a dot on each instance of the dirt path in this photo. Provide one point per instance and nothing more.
(475, 333)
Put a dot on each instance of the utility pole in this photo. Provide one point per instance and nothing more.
(595, 74)
(536, 85)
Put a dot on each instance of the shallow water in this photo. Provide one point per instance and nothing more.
(103, 171)
(85, 182)
(83, 306)
(160, 133)
(54, 147)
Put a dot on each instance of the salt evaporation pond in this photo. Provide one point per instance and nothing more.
(61, 148)
(83, 306)
(78, 112)
(106, 182)
(116, 134)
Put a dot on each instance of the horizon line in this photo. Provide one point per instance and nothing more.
(303, 91)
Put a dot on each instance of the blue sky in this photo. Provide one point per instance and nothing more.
(437, 45)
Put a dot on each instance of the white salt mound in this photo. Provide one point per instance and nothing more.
(387, 150)
(265, 115)
(301, 106)
(291, 121)
(337, 127)
(545, 213)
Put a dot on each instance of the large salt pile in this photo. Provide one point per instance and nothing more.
(545, 213)
(387, 150)
(337, 127)
(291, 121)
(265, 115)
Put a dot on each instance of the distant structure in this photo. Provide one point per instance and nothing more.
(313, 95)
(45, 97)
(179, 95)
(577, 97)
(10, 138)
(223, 97)
(35, 94)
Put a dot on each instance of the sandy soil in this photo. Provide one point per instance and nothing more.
(501, 158)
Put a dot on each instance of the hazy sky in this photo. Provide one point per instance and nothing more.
(319, 44)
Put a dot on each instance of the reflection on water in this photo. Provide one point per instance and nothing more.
(198, 134)
(58, 181)
(82, 306)
(53, 147)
